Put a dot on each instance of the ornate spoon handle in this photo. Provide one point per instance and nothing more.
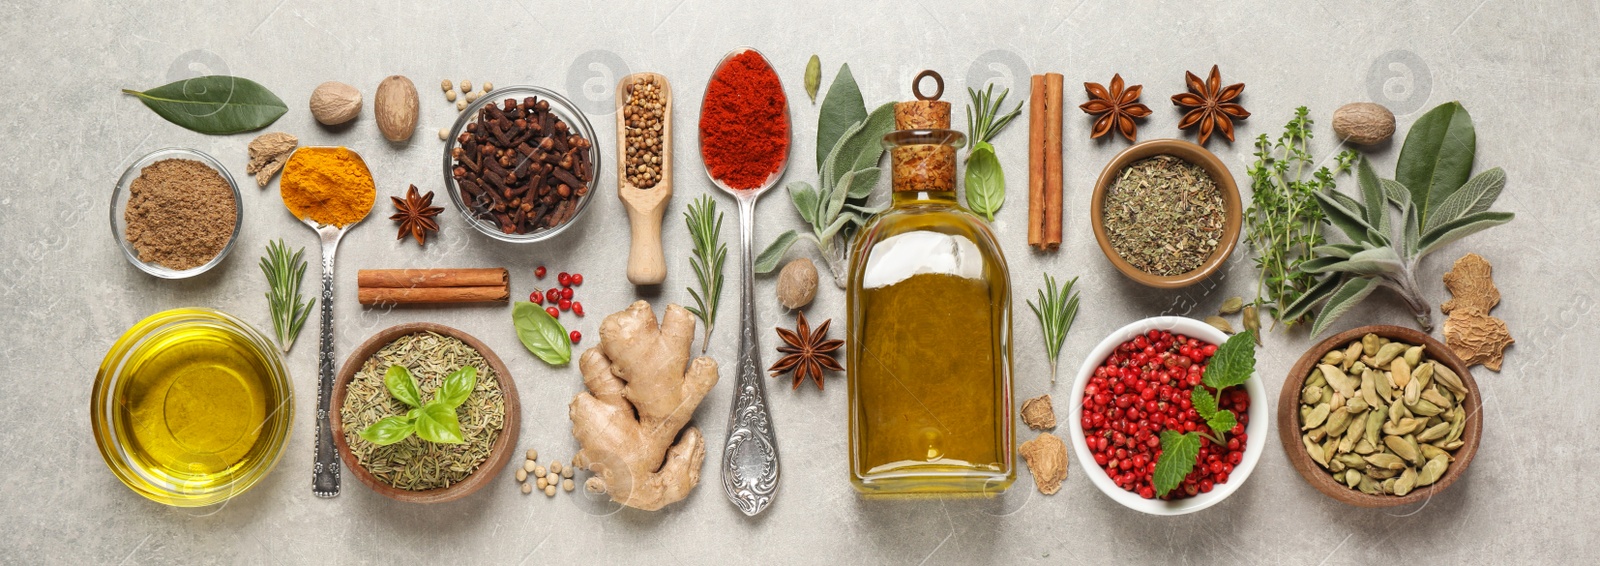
(750, 456)
(325, 473)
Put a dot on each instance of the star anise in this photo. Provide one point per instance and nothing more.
(1116, 107)
(809, 352)
(1212, 106)
(415, 215)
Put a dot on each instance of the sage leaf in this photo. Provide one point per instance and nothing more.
(804, 198)
(1460, 228)
(388, 430)
(1373, 261)
(844, 219)
(1476, 196)
(214, 104)
(1178, 453)
(541, 333)
(769, 258)
(401, 386)
(1437, 157)
(1396, 192)
(1374, 203)
(841, 108)
(862, 183)
(813, 77)
(457, 387)
(864, 148)
(1234, 362)
(1312, 297)
(1348, 221)
(986, 182)
(437, 422)
(1343, 251)
(1412, 232)
(1349, 294)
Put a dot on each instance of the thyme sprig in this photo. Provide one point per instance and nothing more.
(284, 272)
(705, 228)
(1056, 309)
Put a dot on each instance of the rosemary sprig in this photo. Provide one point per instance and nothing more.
(705, 228)
(982, 122)
(1056, 309)
(284, 272)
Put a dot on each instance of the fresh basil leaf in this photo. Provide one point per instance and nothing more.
(1349, 294)
(1204, 404)
(841, 108)
(864, 148)
(769, 258)
(1374, 204)
(1178, 453)
(214, 104)
(401, 386)
(1460, 228)
(388, 430)
(1437, 157)
(541, 333)
(986, 182)
(805, 200)
(438, 423)
(1233, 363)
(1476, 196)
(457, 387)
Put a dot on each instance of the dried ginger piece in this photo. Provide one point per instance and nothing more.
(1038, 413)
(1047, 459)
(268, 153)
(1471, 284)
(1474, 335)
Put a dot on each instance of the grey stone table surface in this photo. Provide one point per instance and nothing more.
(1526, 70)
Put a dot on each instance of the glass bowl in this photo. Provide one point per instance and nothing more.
(119, 205)
(563, 109)
(167, 464)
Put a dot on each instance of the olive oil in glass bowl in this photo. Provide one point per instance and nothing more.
(191, 407)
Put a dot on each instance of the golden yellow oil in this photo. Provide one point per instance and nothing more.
(192, 404)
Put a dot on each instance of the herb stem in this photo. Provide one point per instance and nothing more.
(705, 229)
(284, 272)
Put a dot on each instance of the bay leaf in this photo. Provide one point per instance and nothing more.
(214, 104)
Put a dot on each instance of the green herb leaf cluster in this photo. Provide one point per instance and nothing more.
(985, 181)
(1057, 308)
(1283, 223)
(214, 104)
(1178, 453)
(541, 333)
(434, 421)
(1232, 365)
(848, 151)
(284, 272)
(1439, 202)
(705, 228)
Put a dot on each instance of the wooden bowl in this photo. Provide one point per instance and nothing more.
(1289, 418)
(1193, 154)
(500, 452)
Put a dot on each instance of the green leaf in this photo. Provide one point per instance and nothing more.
(1411, 233)
(836, 199)
(389, 430)
(829, 173)
(541, 333)
(1437, 157)
(1178, 453)
(769, 258)
(986, 182)
(1460, 228)
(831, 230)
(1374, 261)
(1476, 196)
(1352, 223)
(402, 386)
(1343, 251)
(457, 387)
(804, 198)
(1221, 422)
(1373, 202)
(1312, 297)
(862, 183)
(864, 148)
(214, 104)
(1234, 362)
(437, 423)
(1396, 192)
(1349, 294)
(841, 108)
(1203, 402)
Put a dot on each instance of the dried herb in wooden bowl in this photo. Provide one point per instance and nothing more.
(1164, 215)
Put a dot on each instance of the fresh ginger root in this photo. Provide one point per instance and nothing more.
(644, 369)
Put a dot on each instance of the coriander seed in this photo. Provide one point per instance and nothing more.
(644, 115)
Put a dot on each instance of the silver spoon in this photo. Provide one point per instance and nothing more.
(750, 455)
(325, 473)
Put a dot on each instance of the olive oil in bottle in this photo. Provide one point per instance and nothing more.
(930, 330)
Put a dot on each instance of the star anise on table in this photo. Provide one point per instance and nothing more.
(1211, 104)
(415, 214)
(1116, 107)
(809, 352)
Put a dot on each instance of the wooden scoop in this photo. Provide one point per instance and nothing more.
(646, 265)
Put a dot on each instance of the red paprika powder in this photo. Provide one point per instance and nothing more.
(744, 122)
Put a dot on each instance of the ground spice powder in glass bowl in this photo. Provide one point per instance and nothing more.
(180, 214)
(744, 122)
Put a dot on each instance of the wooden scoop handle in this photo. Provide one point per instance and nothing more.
(646, 207)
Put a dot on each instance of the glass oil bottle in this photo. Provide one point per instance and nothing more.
(929, 344)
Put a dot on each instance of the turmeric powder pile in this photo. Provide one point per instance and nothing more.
(327, 185)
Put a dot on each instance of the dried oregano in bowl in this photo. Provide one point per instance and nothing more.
(415, 464)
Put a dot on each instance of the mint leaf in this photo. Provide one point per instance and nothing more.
(1204, 403)
(1178, 453)
(1222, 422)
(1234, 363)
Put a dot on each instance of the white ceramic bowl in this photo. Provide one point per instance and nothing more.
(1256, 430)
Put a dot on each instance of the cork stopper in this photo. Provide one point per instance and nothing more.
(923, 151)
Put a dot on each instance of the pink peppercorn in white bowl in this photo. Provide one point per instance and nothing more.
(1255, 430)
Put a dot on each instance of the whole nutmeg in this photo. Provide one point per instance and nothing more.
(396, 108)
(1363, 123)
(334, 103)
(797, 284)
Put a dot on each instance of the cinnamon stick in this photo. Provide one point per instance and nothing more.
(1036, 160)
(431, 295)
(1052, 159)
(423, 286)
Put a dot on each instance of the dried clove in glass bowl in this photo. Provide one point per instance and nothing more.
(522, 169)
